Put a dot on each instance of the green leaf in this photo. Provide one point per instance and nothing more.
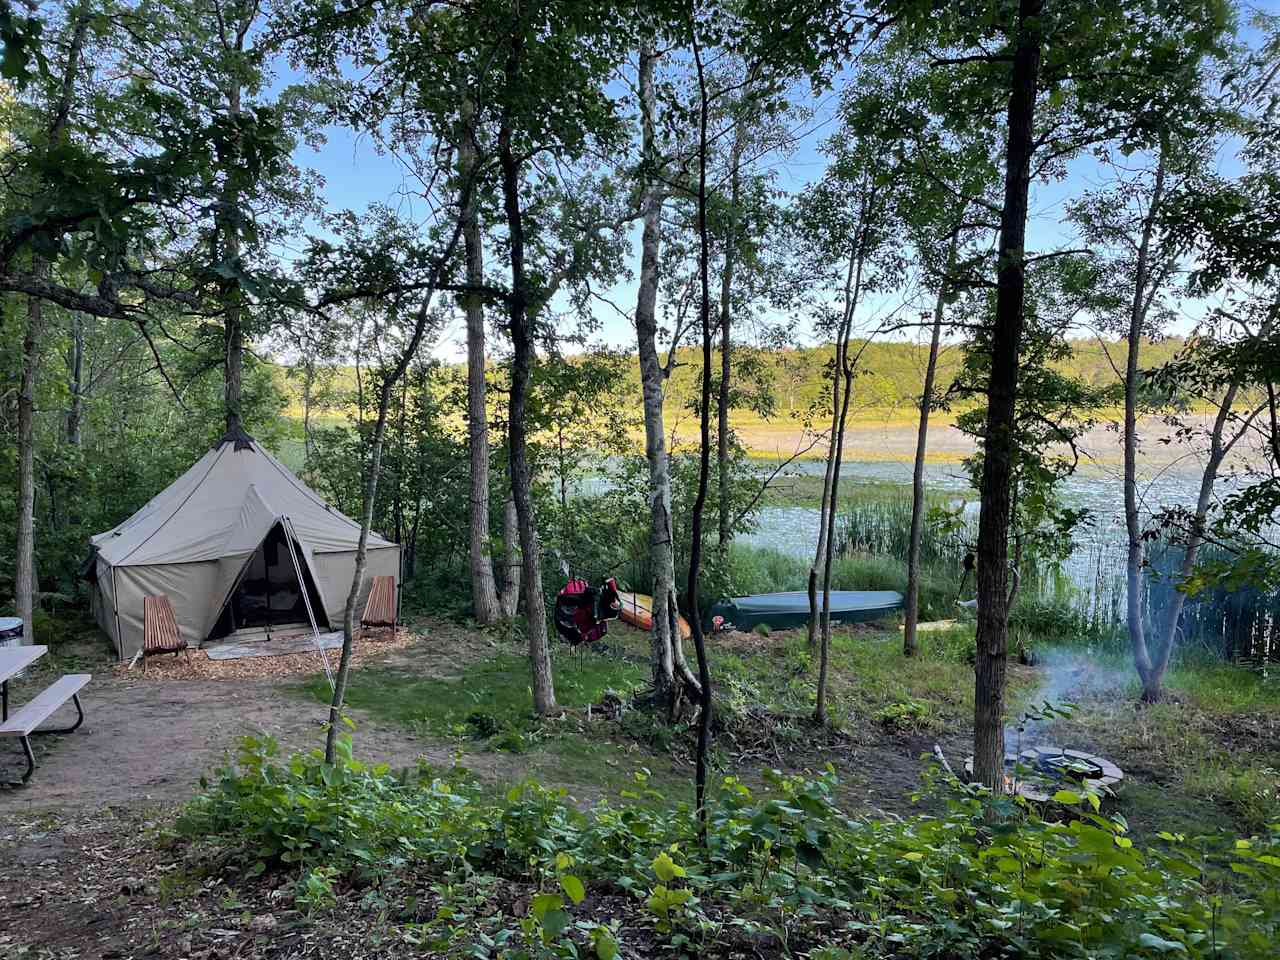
(555, 923)
(573, 887)
(667, 869)
(1159, 943)
(543, 903)
(606, 945)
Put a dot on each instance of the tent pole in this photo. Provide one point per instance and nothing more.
(115, 608)
(289, 537)
(266, 568)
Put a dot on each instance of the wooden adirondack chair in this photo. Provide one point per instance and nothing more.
(380, 609)
(160, 629)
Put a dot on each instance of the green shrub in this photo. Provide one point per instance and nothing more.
(987, 878)
(904, 716)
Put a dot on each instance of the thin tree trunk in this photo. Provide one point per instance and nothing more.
(308, 386)
(827, 505)
(233, 299)
(1135, 615)
(75, 381)
(357, 579)
(726, 345)
(484, 591)
(24, 572)
(912, 601)
(1002, 392)
(666, 649)
(544, 694)
(371, 481)
(704, 460)
(852, 294)
(25, 586)
(509, 596)
(1153, 680)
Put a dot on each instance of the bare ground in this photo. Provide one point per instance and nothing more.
(149, 740)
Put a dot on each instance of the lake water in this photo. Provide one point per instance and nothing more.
(1096, 488)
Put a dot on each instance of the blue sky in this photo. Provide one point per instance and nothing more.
(356, 175)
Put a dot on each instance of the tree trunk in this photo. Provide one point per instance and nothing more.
(233, 299)
(25, 586)
(726, 345)
(1135, 614)
(827, 506)
(666, 649)
(388, 384)
(357, 580)
(704, 459)
(1158, 665)
(75, 381)
(1002, 392)
(484, 591)
(544, 694)
(844, 373)
(509, 597)
(24, 570)
(912, 602)
(308, 386)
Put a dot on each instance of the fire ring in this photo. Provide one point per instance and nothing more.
(1040, 772)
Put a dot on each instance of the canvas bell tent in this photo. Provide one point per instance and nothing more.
(237, 543)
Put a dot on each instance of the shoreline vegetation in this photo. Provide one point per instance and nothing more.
(882, 422)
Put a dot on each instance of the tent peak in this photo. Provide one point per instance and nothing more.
(238, 436)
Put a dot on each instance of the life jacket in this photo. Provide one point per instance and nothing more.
(582, 611)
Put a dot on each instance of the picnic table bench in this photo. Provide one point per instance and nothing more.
(22, 723)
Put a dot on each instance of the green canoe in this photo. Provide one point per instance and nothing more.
(785, 611)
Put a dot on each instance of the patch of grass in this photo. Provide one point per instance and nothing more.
(805, 490)
(873, 673)
(611, 770)
(1252, 791)
(1225, 687)
(491, 699)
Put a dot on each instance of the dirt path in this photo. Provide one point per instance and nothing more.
(150, 740)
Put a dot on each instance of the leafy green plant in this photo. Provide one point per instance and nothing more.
(905, 716)
(986, 876)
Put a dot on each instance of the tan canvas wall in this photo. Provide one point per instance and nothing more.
(198, 591)
(101, 599)
(191, 587)
(333, 572)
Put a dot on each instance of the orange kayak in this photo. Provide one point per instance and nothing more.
(637, 610)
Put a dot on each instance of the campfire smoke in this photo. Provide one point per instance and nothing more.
(1069, 676)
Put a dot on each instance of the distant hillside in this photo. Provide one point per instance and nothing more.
(888, 385)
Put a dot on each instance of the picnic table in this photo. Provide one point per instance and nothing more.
(23, 723)
(13, 660)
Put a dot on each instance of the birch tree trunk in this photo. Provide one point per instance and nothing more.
(389, 381)
(844, 373)
(726, 344)
(544, 694)
(827, 506)
(992, 647)
(704, 466)
(1135, 561)
(1219, 446)
(912, 602)
(484, 593)
(666, 649)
